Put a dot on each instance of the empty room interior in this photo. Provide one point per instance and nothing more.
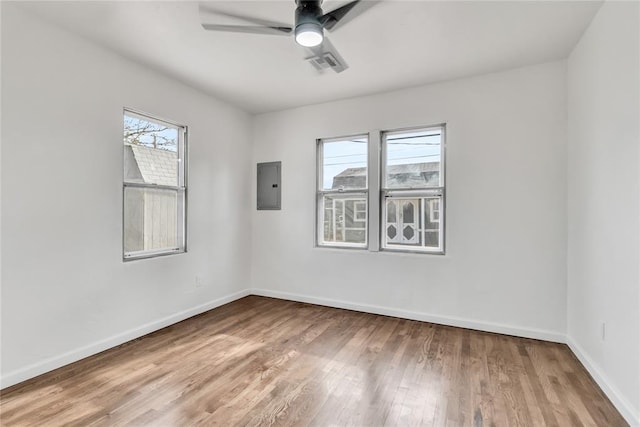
(320, 213)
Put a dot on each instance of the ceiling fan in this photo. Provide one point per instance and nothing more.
(310, 23)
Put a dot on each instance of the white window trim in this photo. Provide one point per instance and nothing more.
(180, 188)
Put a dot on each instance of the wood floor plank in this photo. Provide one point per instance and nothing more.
(262, 361)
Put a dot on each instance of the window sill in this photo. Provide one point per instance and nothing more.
(415, 252)
(341, 247)
(387, 251)
(146, 255)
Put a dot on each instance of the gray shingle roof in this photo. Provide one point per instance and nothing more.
(411, 175)
(396, 169)
(151, 165)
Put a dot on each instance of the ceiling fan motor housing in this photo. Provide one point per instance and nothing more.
(308, 15)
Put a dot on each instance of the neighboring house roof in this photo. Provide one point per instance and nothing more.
(412, 175)
(150, 165)
(351, 172)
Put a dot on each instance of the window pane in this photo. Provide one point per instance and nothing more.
(152, 218)
(344, 164)
(413, 222)
(151, 152)
(344, 219)
(413, 159)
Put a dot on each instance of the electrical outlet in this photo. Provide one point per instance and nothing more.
(603, 330)
(199, 282)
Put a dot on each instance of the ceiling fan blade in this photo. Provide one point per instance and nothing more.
(276, 31)
(326, 56)
(346, 13)
(257, 21)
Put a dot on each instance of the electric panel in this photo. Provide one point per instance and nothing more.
(269, 187)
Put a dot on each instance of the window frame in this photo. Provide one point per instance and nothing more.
(412, 192)
(344, 193)
(376, 195)
(432, 211)
(357, 210)
(181, 189)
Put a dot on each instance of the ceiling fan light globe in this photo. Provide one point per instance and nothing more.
(309, 35)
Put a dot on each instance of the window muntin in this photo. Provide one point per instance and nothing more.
(154, 194)
(412, 172)
(342, 194)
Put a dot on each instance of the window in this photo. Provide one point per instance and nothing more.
(434, 210)
(403, 210)
(412, 196)
(360, 211)
(342, 192)
(154, 187)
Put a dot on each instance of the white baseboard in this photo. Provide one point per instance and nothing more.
(621, 404)
(56, 362)
(538, 334)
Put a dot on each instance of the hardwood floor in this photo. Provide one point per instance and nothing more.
(262, 361)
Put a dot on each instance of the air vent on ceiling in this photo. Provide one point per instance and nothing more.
(326, 60)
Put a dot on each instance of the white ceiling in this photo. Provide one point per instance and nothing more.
(395, 44)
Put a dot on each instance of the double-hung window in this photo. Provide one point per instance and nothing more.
(342, 192)
(408, 198)
(412, 199)
(155, 189)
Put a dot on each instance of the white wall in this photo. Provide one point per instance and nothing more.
(65, 291)
(604, 203)
(505, 267)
